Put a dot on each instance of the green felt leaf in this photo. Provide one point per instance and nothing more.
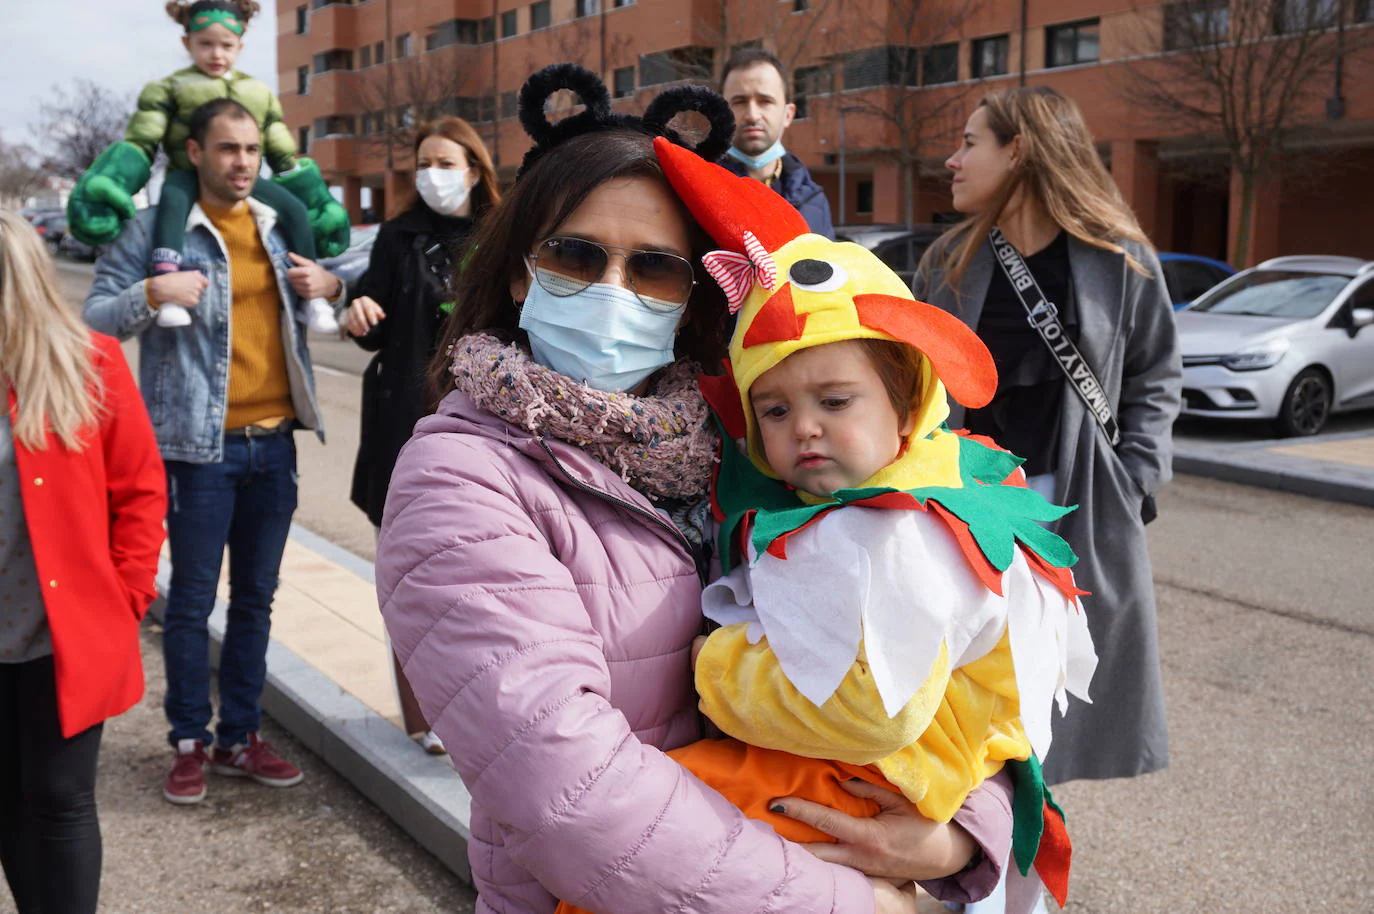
(1027, 810)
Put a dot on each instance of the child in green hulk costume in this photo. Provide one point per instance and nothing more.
(312, 219)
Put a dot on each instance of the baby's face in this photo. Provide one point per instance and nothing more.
(825, 419)
(214, 50)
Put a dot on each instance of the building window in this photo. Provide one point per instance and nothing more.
(510, 104)
(863, 198)
(1306, 15)
(365, 57)
(540, 15)
(1071, 43)
(940, 64)
(619, 3)
(588, 8)
(379, 52)
(1196, 24)
(302, 80)
(801, 6)
(509, 25)
(806, 83)
(303, 140)
(623, 80)
(1364, 12)
(458, 31)
(334, 125)
(337, 59)
(302, 20)
(890, 65)
(675, 65)
(990, 56)
(402, 46)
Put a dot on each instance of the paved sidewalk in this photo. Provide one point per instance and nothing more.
(1338, 467)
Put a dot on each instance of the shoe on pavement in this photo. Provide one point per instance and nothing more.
(185, 783)
(430, 742)
(256, 759)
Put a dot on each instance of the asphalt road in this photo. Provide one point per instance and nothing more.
(1267, 631)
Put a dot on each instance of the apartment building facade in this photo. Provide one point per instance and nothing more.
(882, 88)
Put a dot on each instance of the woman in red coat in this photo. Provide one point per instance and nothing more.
(82, 501)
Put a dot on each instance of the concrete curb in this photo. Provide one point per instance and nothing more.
(1252, 463)
(421, 793)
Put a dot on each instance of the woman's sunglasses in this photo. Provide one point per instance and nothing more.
(566, 266)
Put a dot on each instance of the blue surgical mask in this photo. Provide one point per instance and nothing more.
(767, 157)
(603, 335)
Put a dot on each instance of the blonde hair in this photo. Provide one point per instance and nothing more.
(1059, 167)
(45, 349)
(180, 10)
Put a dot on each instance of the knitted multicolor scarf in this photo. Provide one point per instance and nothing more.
(662, 444)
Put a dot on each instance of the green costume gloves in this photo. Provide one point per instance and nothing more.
(328, 219)
(103, 198)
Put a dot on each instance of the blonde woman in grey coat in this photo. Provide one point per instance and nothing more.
(1026, 166)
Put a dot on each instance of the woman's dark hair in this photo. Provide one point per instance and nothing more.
(182, 12)
(544, 197)
(487, 192)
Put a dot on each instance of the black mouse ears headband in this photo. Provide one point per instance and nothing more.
(598, 115)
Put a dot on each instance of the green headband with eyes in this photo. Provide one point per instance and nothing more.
(207, 18)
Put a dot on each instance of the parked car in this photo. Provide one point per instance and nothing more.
(33, 212)
(1288, 340)
(1189, 275)
(352, 263)
(74, 248)
(51, 227)
(898, 246)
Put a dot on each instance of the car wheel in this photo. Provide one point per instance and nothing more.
(1306, 404)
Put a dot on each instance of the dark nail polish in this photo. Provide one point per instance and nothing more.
(778, 808)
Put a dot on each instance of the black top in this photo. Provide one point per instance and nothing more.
(1023, 416)
(409, 274)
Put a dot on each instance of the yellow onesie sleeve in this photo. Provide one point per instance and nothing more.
(956, 731)
(744, 692)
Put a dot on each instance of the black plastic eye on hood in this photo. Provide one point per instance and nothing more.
(810, 272)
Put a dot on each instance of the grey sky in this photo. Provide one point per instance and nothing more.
(119, 43)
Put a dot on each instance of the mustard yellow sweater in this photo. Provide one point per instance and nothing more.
(259, 388)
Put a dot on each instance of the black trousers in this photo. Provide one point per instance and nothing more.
(49, 832)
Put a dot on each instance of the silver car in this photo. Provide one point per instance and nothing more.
(1288, 340)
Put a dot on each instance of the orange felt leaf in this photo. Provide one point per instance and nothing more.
(986, 571)
(959, 358)
(777, 320)
(726, 205)
(1061, 578)
(1055, 856)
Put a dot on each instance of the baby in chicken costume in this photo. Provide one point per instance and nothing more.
(892, 606)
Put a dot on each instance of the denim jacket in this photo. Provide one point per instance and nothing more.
(184, 371)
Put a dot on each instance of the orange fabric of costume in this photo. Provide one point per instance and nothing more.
(751, 778)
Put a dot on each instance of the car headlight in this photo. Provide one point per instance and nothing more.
(1256, 358)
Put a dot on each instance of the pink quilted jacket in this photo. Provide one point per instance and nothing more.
(544, 614)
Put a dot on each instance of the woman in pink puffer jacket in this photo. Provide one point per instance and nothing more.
(542, 555)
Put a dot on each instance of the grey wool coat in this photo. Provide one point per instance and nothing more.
(1127, 335)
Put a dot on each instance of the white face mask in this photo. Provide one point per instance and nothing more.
(444, 190)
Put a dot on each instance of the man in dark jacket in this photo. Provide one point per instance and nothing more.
(756, 87)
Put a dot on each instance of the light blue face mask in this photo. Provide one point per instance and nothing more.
(767, 157)
(603, 335)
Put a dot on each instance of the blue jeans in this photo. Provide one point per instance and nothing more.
(244, 502)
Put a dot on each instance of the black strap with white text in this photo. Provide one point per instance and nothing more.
(1044, 317)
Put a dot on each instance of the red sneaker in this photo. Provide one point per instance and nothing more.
(256, 759)
(185, 783)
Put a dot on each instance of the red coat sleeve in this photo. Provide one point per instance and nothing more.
(135, 478)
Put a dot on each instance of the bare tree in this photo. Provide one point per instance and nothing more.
(21, 173)
(909, 56)
(77, 122)
(1246, 73)
(418, 89)
(749, 23)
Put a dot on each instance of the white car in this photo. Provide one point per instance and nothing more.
(1288, 340)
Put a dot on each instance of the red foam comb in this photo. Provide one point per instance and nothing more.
(726, 205)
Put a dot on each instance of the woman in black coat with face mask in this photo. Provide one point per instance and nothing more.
(404, 298)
